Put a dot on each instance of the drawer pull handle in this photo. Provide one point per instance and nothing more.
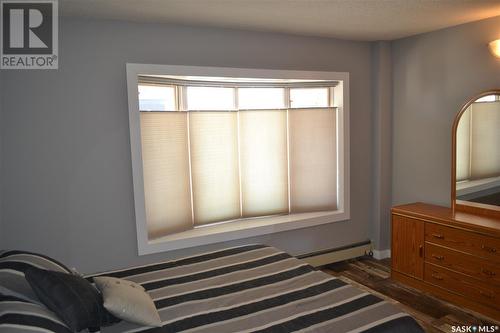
(421, 251)
(487, 272)
(439, 236)
(485, 294)
(489, 248)
(435, 256)
(437, 277)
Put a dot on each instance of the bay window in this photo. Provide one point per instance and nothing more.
(230, 157)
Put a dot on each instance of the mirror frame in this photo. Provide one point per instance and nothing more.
(466, 206)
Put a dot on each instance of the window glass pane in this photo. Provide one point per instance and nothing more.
(156, 98)
(309, 97)
(210, 98)
(261, 98)
(489, 98)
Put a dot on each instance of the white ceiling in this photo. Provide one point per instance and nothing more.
(348, 19)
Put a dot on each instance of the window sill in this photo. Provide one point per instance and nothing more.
(239, 229)
(472, 186)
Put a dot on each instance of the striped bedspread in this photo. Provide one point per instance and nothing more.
(256, 288)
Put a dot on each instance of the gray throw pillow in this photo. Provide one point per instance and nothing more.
(128, 301)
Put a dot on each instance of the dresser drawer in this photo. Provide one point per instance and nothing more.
(465, 241)
(485, 270)
(462, 284)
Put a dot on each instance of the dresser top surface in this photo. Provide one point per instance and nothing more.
(445, 215)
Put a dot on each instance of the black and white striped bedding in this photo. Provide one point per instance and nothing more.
(13, 265)
(257, 288)
(20, 316)
(20, 309)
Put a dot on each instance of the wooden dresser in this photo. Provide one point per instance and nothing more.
(455, 257)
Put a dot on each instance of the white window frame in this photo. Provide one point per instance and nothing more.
(246, 227)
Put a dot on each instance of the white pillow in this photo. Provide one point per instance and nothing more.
(128, 300)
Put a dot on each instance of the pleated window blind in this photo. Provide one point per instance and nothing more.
(478, 138)
(237, 159)
(463, 147)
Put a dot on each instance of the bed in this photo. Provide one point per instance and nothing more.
(257, 288)
(251, 288)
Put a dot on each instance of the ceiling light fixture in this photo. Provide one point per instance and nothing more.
(494, 47)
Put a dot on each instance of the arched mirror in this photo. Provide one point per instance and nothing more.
(476, 156)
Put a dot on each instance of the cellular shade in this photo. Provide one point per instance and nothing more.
(166, 172)
(264, 164)
(214, 163)
(313, 159)
(463, 146)
(485, 140)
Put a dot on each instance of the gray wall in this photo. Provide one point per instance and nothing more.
(381, 145)
(433, 75)
(65, 171)
(67, 186)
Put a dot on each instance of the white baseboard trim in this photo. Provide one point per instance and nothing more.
(381, 254)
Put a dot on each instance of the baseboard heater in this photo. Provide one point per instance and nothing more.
(325, 257)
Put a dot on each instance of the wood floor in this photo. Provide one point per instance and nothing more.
(433, 314)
